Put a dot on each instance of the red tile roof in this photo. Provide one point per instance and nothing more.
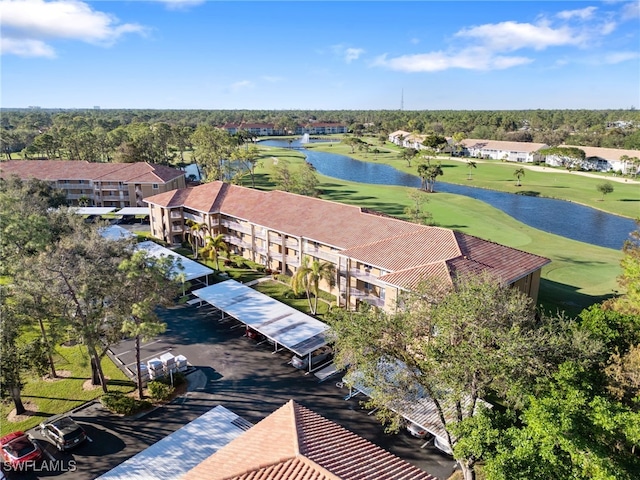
(52, 170)
(407, 249)
(294, 443)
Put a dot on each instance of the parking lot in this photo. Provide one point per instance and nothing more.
(230, 370)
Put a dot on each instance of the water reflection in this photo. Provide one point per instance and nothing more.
(559, 217)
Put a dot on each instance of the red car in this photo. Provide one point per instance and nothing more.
(18, 448)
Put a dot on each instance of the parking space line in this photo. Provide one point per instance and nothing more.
(141, 347)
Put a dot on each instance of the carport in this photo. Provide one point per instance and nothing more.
(93, 210)
(133, 211)
(191, 270)
(420, 409)
(283, 325)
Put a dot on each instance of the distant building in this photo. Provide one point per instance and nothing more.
(602, 160)
(376, 257)
(99, 184)
(522, 152)
(269, 129)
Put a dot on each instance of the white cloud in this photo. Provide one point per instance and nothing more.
(348, 54)
(510, 36)
(414, 41)
(468, 59)
(352, 54)
(241, 85)
(619, 57)
(631, 11)
(28, 24)
(180, 4)
(583, 13)
(26, 48)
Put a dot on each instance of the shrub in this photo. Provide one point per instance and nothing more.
(159, 390)
(121, 404)
(281, 277)
(178, 379)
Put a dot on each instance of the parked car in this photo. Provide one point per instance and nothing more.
(442, 445)
(417, 431)
(18, 448)
(63, 432)
(318, 357)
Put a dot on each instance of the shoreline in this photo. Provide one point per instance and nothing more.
(535, 168)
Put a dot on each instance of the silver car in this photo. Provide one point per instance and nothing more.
(319, 356)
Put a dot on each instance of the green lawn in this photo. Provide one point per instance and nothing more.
(281, 292)
(62, 395)
(498, 175)
(578, 276)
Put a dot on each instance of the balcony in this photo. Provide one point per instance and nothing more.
(292, 243)
(321, 254)
(74, 186)
(238, 242)
(175, 214)
(365, 276)
(236, 226)
(177, 228)
(363, 296)
(275, 255)
(78, 196)
(195, 218)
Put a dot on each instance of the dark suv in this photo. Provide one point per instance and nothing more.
(63, 432)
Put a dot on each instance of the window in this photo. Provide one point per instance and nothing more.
(155, 186)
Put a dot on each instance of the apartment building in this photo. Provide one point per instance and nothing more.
(99, 184)
(269, 129)
(376, 257)
(524, 152)
(600, 159)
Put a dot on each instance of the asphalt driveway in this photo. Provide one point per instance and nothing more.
(230, 370)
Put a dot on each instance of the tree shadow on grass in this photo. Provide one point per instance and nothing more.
(555, 297)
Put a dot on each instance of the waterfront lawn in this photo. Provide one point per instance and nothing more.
(51, 397)
(498, 175)
(579, 274)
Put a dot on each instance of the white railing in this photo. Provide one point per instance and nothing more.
(321, 254)
(365, 276)
(236, 226)
(195, 218)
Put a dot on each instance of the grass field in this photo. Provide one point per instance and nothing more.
(498, 175)
(64, 394)
(579, 274)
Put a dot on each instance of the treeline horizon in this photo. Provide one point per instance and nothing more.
(611, 128)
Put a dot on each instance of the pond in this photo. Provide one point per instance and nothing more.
(559, 217)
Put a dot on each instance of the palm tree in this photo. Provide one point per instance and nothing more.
(308, 278)
(196, 237)
(519, 173)
(213, 246)
(470, 166)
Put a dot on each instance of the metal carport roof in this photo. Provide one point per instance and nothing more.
(133, 211)
(177, 453)
(115, 232)
(420, 409)
(191, 269)
(93, 210)
(294, 330)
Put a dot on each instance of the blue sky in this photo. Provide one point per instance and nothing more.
(192, 54)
